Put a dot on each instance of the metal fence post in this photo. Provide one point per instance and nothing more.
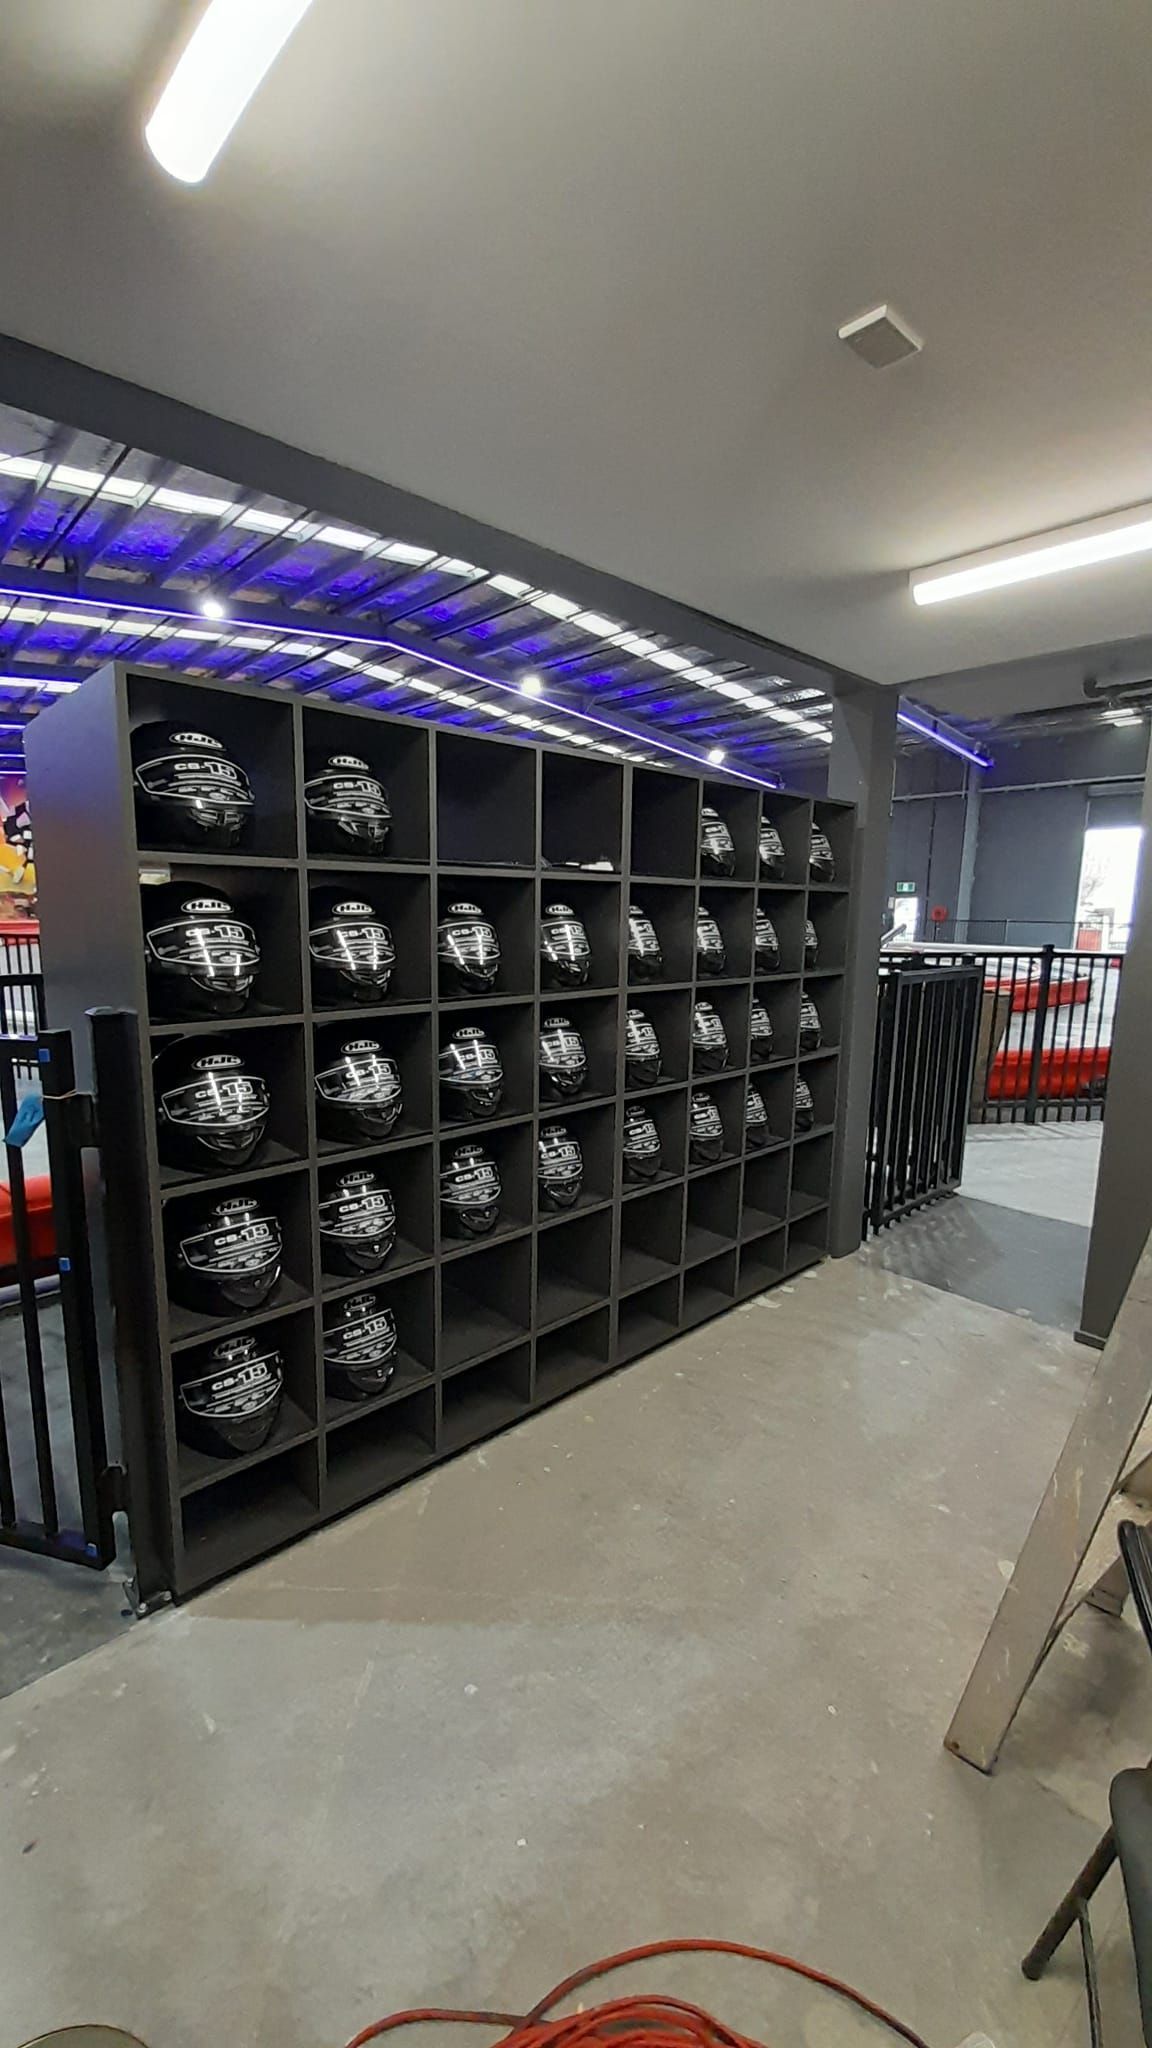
(1040, 1019)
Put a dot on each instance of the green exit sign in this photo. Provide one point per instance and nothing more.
(906, 888)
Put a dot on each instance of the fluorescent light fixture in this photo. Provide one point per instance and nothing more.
(595, 622)
(404, 551)
(256, 643)
(509, 586)
(232, 46)
(93, 625)
(556, 607)
(1124, 714)
(310, 648)
(942, 739)
(676, 662)
(263, 522)
(700, 675)
(531, 685)
(715, 755)
(191, 501)
(64, 479)
(127, 487)
(211, 608)
(340, 660)
(345, 537)
(634, 643)
(426, 688)
(451, 565)
(378, 672)
(21, 465)
(1108, 539)
(737, 691)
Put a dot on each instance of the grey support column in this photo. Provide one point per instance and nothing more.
(860, 771)
(1123, 1213)
(968, 845)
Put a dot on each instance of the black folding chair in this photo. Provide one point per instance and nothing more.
(1129, 1838)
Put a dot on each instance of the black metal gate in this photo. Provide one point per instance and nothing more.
(57, 1488)
(921, 1086)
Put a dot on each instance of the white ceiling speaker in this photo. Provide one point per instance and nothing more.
(880, 337)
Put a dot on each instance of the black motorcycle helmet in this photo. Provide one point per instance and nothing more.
(821, 861)
(468, 950)
(350, 946)
(224, 1255)
(359, 1095)
(642, 1056)
(811, 944)
(212, 1105)
(563, 1060)
(357, 1222)
(711, 957)
(200, 957)
(641, 1144)
(560, 1168)
(755, 1120)
(761, 1032)
(469, 1193)
(346, 806)
(228, 1399)
(709, 1039)
(804, 1115)
(766, 944)
(705, 1129)
(188, 789)
(359, 1347)
(810, 1032)
(771, 852)
(717, 853)
(471, 1076)
(565, 955)
(645, 959)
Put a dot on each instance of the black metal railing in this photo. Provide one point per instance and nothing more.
(21, 985)
(921, 1085)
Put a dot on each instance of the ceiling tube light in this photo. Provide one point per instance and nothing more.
(228, 53)
(1108, 539)
(531, 685)
(942, 739)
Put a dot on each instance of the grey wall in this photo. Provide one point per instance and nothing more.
(1028, 860)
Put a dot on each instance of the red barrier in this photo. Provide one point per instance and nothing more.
(1066, 1072)
(1026, 993)
(41, 1230)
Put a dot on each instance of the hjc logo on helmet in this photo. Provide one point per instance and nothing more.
(197, 739)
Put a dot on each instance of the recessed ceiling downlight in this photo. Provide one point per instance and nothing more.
(233, 45)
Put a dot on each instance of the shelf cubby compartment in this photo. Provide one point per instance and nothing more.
(787, 914)
(248, 1513)
(597, 1019)
(276, 1054)
(671, 908)
(778, 1091)
(285, 1196)
(402, 902)
(651, 1238)
(511, 1027)
(811, 1178)
(294, 1339)
(485, 1302)
(762, 1264)
(573, 1268)
(485, 802)
(379, 1448)
(730, 1094)
(408, 1172)
(595, 1130)
(732, 1006)
(405, 1039)
(792, 817)
(669, 1112)
(740, 810)
(709, 1288)
(765, 1203)
(782, 1002)
(485, 1398)
(838, 821)
(647, 1319)
(827, 992)
(669, 1012)
(713, 1219)
(508, 904)
(665, 823)
(807, 1240)
(512, 1150)
(412, 1300)
(829, 915)
(733, 910)
(266, 898)
(258, 737)
(397, 755)
(570, 1357)
(595, 899)
(582, 812)
(822, 1077)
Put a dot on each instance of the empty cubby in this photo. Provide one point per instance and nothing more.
(582, 812)
(251, 1510)
(485, 802)
(651, 1237)
(485, 1301)
(573, 1267)
(811, 1177)
(807, 1240)
(665, 823)
(713, 1217)
(397, 755)
(485, 1397)
(407, 1040)
(647, 1319)
(569, 1357)
(740, 810)
(402, 903)
(766, 1186)
(709, 1288)
(376, 1449)
(265, 899)
(254, 730)
(762, 1263)
(509, 905)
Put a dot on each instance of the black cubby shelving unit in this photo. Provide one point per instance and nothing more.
(492, 1330)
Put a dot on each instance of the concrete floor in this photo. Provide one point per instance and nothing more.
(1045, 1169)
(675, 1657)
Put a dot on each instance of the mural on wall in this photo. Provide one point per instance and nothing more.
(17, 866)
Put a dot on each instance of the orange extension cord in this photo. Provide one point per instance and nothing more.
(646, 2021)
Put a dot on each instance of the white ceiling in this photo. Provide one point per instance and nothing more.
(576, 267)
